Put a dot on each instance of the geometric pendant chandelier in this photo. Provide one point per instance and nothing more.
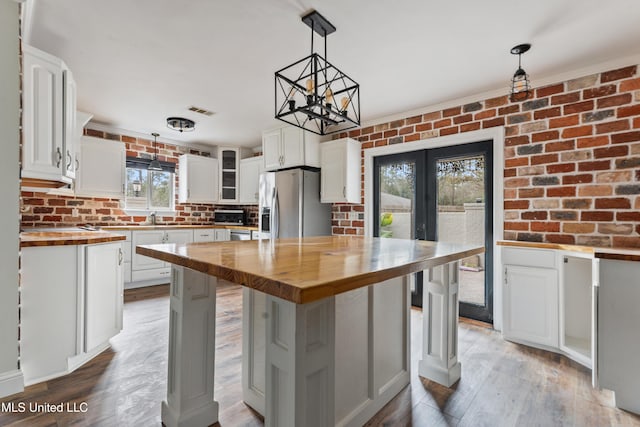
(314, 95)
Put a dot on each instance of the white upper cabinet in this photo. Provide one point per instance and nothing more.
(46, 116)
(229, 166)
(250, 170)
(71, 137)
(102, 168)
(198, 179)
(340, 171)
(289, 147)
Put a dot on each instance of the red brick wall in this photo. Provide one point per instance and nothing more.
(43, 210)
(572, 158)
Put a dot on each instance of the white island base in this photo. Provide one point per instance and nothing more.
(336, 361)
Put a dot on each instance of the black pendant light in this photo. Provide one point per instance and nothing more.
(181, 124)
(306, 91)
(520, 84)
(154, 165)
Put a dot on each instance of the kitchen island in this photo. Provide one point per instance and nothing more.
(337, 342)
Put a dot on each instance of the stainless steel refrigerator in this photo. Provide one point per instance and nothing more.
(290, 205)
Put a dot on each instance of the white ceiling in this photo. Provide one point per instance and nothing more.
(138, 62)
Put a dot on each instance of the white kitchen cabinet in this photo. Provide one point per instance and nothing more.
(146, 271)
(48, 119)
(102, 167)
(250, 170)
(103, 293)
(222, 234)
(71, 305)
(198, 179)
(211, 235)
(141, 262)
(576, 307)
(289, 147)
(70, 137)
(530, 296)
(229, 168)
(340, 171)
(127, 252)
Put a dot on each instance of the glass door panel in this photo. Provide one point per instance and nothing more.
(461, 218)
(399, 203)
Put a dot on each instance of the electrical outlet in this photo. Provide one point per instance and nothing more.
(353, 216)
(74, 212)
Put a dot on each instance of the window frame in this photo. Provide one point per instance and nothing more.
(149, 208)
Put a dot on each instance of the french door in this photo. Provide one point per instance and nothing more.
(442, 194)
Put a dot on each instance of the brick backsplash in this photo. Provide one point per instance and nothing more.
(45, 210)
(571, 158)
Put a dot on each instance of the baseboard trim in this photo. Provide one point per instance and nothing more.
(11, 382)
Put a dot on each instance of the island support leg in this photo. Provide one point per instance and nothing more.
(192, 333)
(300, 361)
(440, 325)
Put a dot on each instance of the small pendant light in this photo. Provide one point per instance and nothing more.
(155, 164)
(520, 84)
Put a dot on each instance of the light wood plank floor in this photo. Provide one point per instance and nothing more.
(503, 384)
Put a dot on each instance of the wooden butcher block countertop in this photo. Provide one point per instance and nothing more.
(311, 268)
(624, 254)
(66, 237)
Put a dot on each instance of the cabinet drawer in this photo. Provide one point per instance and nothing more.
(529, 257)
(153, 274)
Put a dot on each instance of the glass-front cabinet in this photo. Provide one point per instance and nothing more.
(229, 164)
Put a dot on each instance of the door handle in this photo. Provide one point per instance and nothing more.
(59, 157)
(77, 164)
(69, 167)
(120, 256)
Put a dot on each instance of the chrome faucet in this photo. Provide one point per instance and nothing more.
(152, 218)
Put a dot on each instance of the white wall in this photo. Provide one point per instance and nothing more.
(10, 377)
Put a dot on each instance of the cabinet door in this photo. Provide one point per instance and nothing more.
(42, 151)
(179, 236)
(333, 185)
(271, 151)
(103, 293)
(147, 237)
(204, 235)
(70, 136)
(229, 162)
(223, 235)
(250, 170)
(198, 179)
(531, 304)
(292, 147)
(102, 168)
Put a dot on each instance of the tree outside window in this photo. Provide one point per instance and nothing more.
(149, 190)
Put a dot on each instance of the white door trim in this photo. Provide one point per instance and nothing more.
(496, 134)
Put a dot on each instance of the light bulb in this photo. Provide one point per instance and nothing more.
(328, 95)
(344, 102)
(310, 86)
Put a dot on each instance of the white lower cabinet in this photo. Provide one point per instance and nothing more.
(146, 271)
(531, 295)
(103, 300)
(71, 305)
(211, 235)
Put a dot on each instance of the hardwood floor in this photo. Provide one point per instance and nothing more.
(503, 384)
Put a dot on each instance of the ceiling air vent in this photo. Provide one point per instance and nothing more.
(201, 111)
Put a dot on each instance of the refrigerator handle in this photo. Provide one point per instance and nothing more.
(275, 214)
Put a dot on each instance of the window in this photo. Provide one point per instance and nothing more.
(149, 190)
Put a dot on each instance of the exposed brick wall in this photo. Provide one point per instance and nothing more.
(572, 158)
(44, 210)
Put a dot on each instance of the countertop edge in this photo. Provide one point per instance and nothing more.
(627, 254)
(69, 241)
(294, 293)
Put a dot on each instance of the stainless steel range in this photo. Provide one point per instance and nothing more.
(229, 217)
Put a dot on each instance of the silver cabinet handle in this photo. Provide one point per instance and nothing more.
(344, 192)
(120, 256)
(70, 163)
(59, 157)
(77, 164)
